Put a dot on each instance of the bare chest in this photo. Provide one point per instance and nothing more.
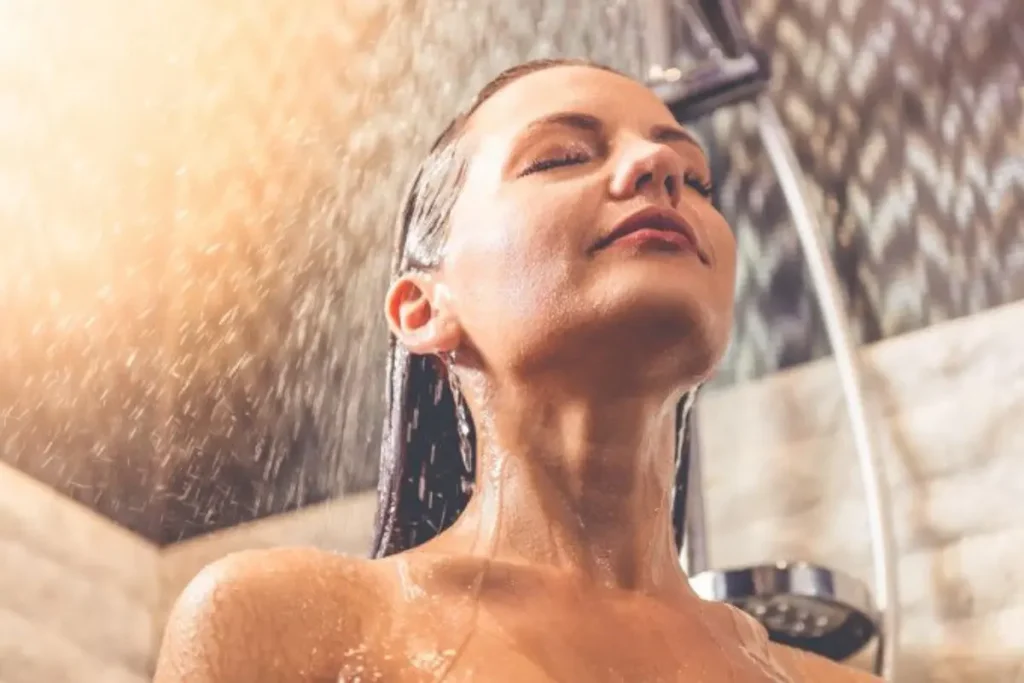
(552, 646)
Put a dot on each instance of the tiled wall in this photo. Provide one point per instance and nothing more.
(83, 600)
(77, 592)
(948, 403)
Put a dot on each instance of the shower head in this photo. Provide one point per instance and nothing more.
(736, 71)
(801, 605)
(713, 84)
(722, 20)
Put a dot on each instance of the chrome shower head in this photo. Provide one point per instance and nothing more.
(801, 605)
(736, 70)
(722, 20)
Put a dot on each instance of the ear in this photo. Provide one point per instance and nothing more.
(419, 314)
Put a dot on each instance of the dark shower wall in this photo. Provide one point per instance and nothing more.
(908, 119)
(199, 235)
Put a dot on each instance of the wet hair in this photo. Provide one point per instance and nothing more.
(427, 461)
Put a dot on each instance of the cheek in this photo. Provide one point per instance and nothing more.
(724, 279)
(722, 244)
(510, 261)
(725, 252)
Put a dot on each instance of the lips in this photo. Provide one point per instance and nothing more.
(655, 219)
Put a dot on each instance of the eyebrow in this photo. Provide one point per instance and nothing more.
(592, 124)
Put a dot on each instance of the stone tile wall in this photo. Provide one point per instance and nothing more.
(77, 592)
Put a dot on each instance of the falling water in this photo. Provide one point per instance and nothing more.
(196, 215)
(461, 418)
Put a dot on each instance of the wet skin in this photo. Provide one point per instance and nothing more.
(302, 615)
(572, 351)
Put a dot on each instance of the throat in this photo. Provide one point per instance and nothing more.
(574, 482)
(612, 529)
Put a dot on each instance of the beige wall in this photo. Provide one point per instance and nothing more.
(84, 601)
(77, 593)
(948, 407)
(81, 600)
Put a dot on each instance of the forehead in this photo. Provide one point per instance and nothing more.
(615, 99)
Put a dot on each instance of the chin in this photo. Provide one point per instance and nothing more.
(651, 322)
(661, 343)
(682, 342)
(680, 315)
(670, 297)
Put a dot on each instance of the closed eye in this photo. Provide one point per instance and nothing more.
(567, 158)
(694, 181)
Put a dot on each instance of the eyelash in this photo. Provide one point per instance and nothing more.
(564, 159)
(694, 181)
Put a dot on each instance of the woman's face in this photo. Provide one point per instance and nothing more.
(557, 161)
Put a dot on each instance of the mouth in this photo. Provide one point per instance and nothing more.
(660, 227)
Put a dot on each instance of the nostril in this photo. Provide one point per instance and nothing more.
(643, 179)
(670, 185)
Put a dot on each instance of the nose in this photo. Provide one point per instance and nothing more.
(648, 168)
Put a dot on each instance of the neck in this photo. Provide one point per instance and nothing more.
(580, 485)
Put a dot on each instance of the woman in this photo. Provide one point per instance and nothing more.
(563, 284)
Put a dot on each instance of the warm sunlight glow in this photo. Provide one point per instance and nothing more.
(169, 174)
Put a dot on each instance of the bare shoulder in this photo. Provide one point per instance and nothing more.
(809, 667)
(269, 615)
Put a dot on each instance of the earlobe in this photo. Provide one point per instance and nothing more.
(419, 316)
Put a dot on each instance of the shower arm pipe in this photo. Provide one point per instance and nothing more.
(826, 286)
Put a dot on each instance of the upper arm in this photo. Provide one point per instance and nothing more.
(256, 616)
(814, 669)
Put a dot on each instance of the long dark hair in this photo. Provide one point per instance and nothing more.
(427, 468)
